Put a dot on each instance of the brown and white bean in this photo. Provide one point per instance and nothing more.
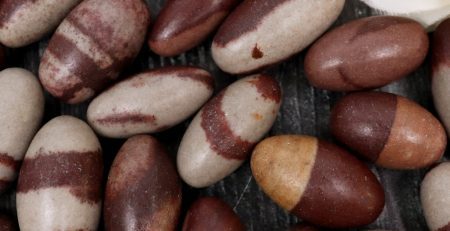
(220, 137)
(60, 180)
(151, 101)
(92, 46)
(251, 36)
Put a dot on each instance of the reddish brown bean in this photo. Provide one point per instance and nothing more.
(211, 213)
(183, 24)
(143, 191)
(366, 53)
(317, 181)
(390, 130)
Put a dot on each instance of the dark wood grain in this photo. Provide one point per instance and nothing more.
(305, 110)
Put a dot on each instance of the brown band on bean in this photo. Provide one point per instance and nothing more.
(363, 121)
(219, 134)
(67, 53)
(336, 173)
(268, 87)
(8, 161)
(128, 117)
(143, 191)
(238, 23)
(98, 31)
(206, 80)
(187, 72)
(9, 7)
(445, 228)
(303, 227)
(80, 172)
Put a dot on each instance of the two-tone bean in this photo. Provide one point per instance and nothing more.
(60, 180)
(220, 137)
(261, 33)
(151, 101)
(317, 181)
(390, 130)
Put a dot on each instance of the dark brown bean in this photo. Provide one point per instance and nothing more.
(211, 213)
(183, 24)
(366, 53)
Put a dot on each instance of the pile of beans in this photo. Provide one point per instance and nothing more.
(58, 167)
